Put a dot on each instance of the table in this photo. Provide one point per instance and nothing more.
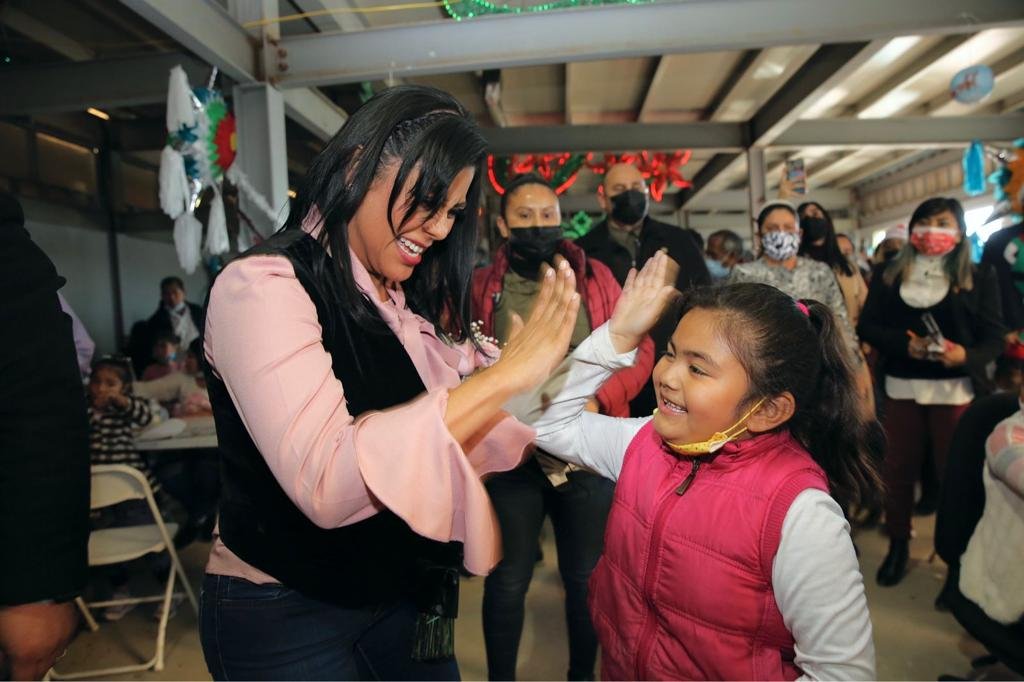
(199, 433)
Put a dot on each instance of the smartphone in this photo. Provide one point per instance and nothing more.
(797, 175)
(936, 341)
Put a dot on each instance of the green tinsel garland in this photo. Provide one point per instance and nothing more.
(467, 9)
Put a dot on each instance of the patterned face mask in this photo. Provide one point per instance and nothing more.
(780, 245)
(934, 241)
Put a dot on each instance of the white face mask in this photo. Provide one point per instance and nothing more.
(780, 245)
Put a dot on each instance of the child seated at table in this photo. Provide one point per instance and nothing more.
(114, 412)
(165, 357)
(183, 393)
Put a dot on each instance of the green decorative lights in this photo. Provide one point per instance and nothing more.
(467, 9)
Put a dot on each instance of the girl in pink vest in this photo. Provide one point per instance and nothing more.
(725, 556)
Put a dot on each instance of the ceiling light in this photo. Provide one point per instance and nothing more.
(769, 70)
(892, 103)
(894, 49)
(292, 193)
(826, 102)
(98, 114)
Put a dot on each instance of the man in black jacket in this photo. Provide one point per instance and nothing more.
(174, 315)
(629, 237)
(44, 459)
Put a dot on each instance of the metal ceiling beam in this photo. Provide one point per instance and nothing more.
(736, 200)
(610, 32)
(907, 132)
(704, 177)
(1013, 102)
(739, 73)
(205, 28)
(74, 86)
(40, 32)
(872, 168)
(908, 72)
(827, 67)
(611, 138)
(311, 108)
(911, 170)
(332, 15)
(570, 112)
(659, 74)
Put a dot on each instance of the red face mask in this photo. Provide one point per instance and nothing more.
(934, 241)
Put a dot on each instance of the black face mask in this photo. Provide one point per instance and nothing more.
(813, 228)
(528, 247)
(630, 207)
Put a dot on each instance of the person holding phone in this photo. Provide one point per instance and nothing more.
(936, 319)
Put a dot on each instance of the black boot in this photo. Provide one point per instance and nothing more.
(894, 566)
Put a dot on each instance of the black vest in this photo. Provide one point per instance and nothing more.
(367, 563)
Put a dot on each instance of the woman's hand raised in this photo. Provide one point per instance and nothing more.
(533, 351)
(536, 347)
(645, 298)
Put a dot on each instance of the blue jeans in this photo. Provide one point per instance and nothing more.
(271, 632)
(579, 509)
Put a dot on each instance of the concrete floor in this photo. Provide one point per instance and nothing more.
(912, 639)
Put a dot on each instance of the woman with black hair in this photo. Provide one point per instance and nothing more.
(351, 448)
(820, 242)
(935, 317)
(780, 233)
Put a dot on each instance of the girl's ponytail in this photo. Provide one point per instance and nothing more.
(832, 424)
(797, 346)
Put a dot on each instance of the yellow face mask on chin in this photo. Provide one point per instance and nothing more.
(717, 440)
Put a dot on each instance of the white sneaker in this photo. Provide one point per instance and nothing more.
(114, 613)
(176, 600)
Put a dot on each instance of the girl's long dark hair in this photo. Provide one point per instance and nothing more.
(784, 349)
(423, 130)
(828, 252)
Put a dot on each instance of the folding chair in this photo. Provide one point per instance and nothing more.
(112, 484)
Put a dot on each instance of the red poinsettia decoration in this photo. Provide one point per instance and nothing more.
(660, 169)
(226, 142)
(558, 170)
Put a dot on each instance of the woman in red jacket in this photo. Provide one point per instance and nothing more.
(576, 499)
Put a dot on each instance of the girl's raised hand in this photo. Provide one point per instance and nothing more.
(536, 347)
(645, 297)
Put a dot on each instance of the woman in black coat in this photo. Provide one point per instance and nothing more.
(936, 319)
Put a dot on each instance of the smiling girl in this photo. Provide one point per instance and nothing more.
(725, 557)
(351, 448)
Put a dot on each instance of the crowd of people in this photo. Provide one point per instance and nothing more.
(701, 426)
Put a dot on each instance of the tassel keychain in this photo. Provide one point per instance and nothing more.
(437, 599)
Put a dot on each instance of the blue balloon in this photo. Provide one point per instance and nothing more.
(973, 84)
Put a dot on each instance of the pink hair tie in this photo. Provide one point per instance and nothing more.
(802, 307)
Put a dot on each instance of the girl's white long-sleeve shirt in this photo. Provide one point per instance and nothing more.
(816, 579)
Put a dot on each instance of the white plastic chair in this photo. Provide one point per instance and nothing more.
(112, 484)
